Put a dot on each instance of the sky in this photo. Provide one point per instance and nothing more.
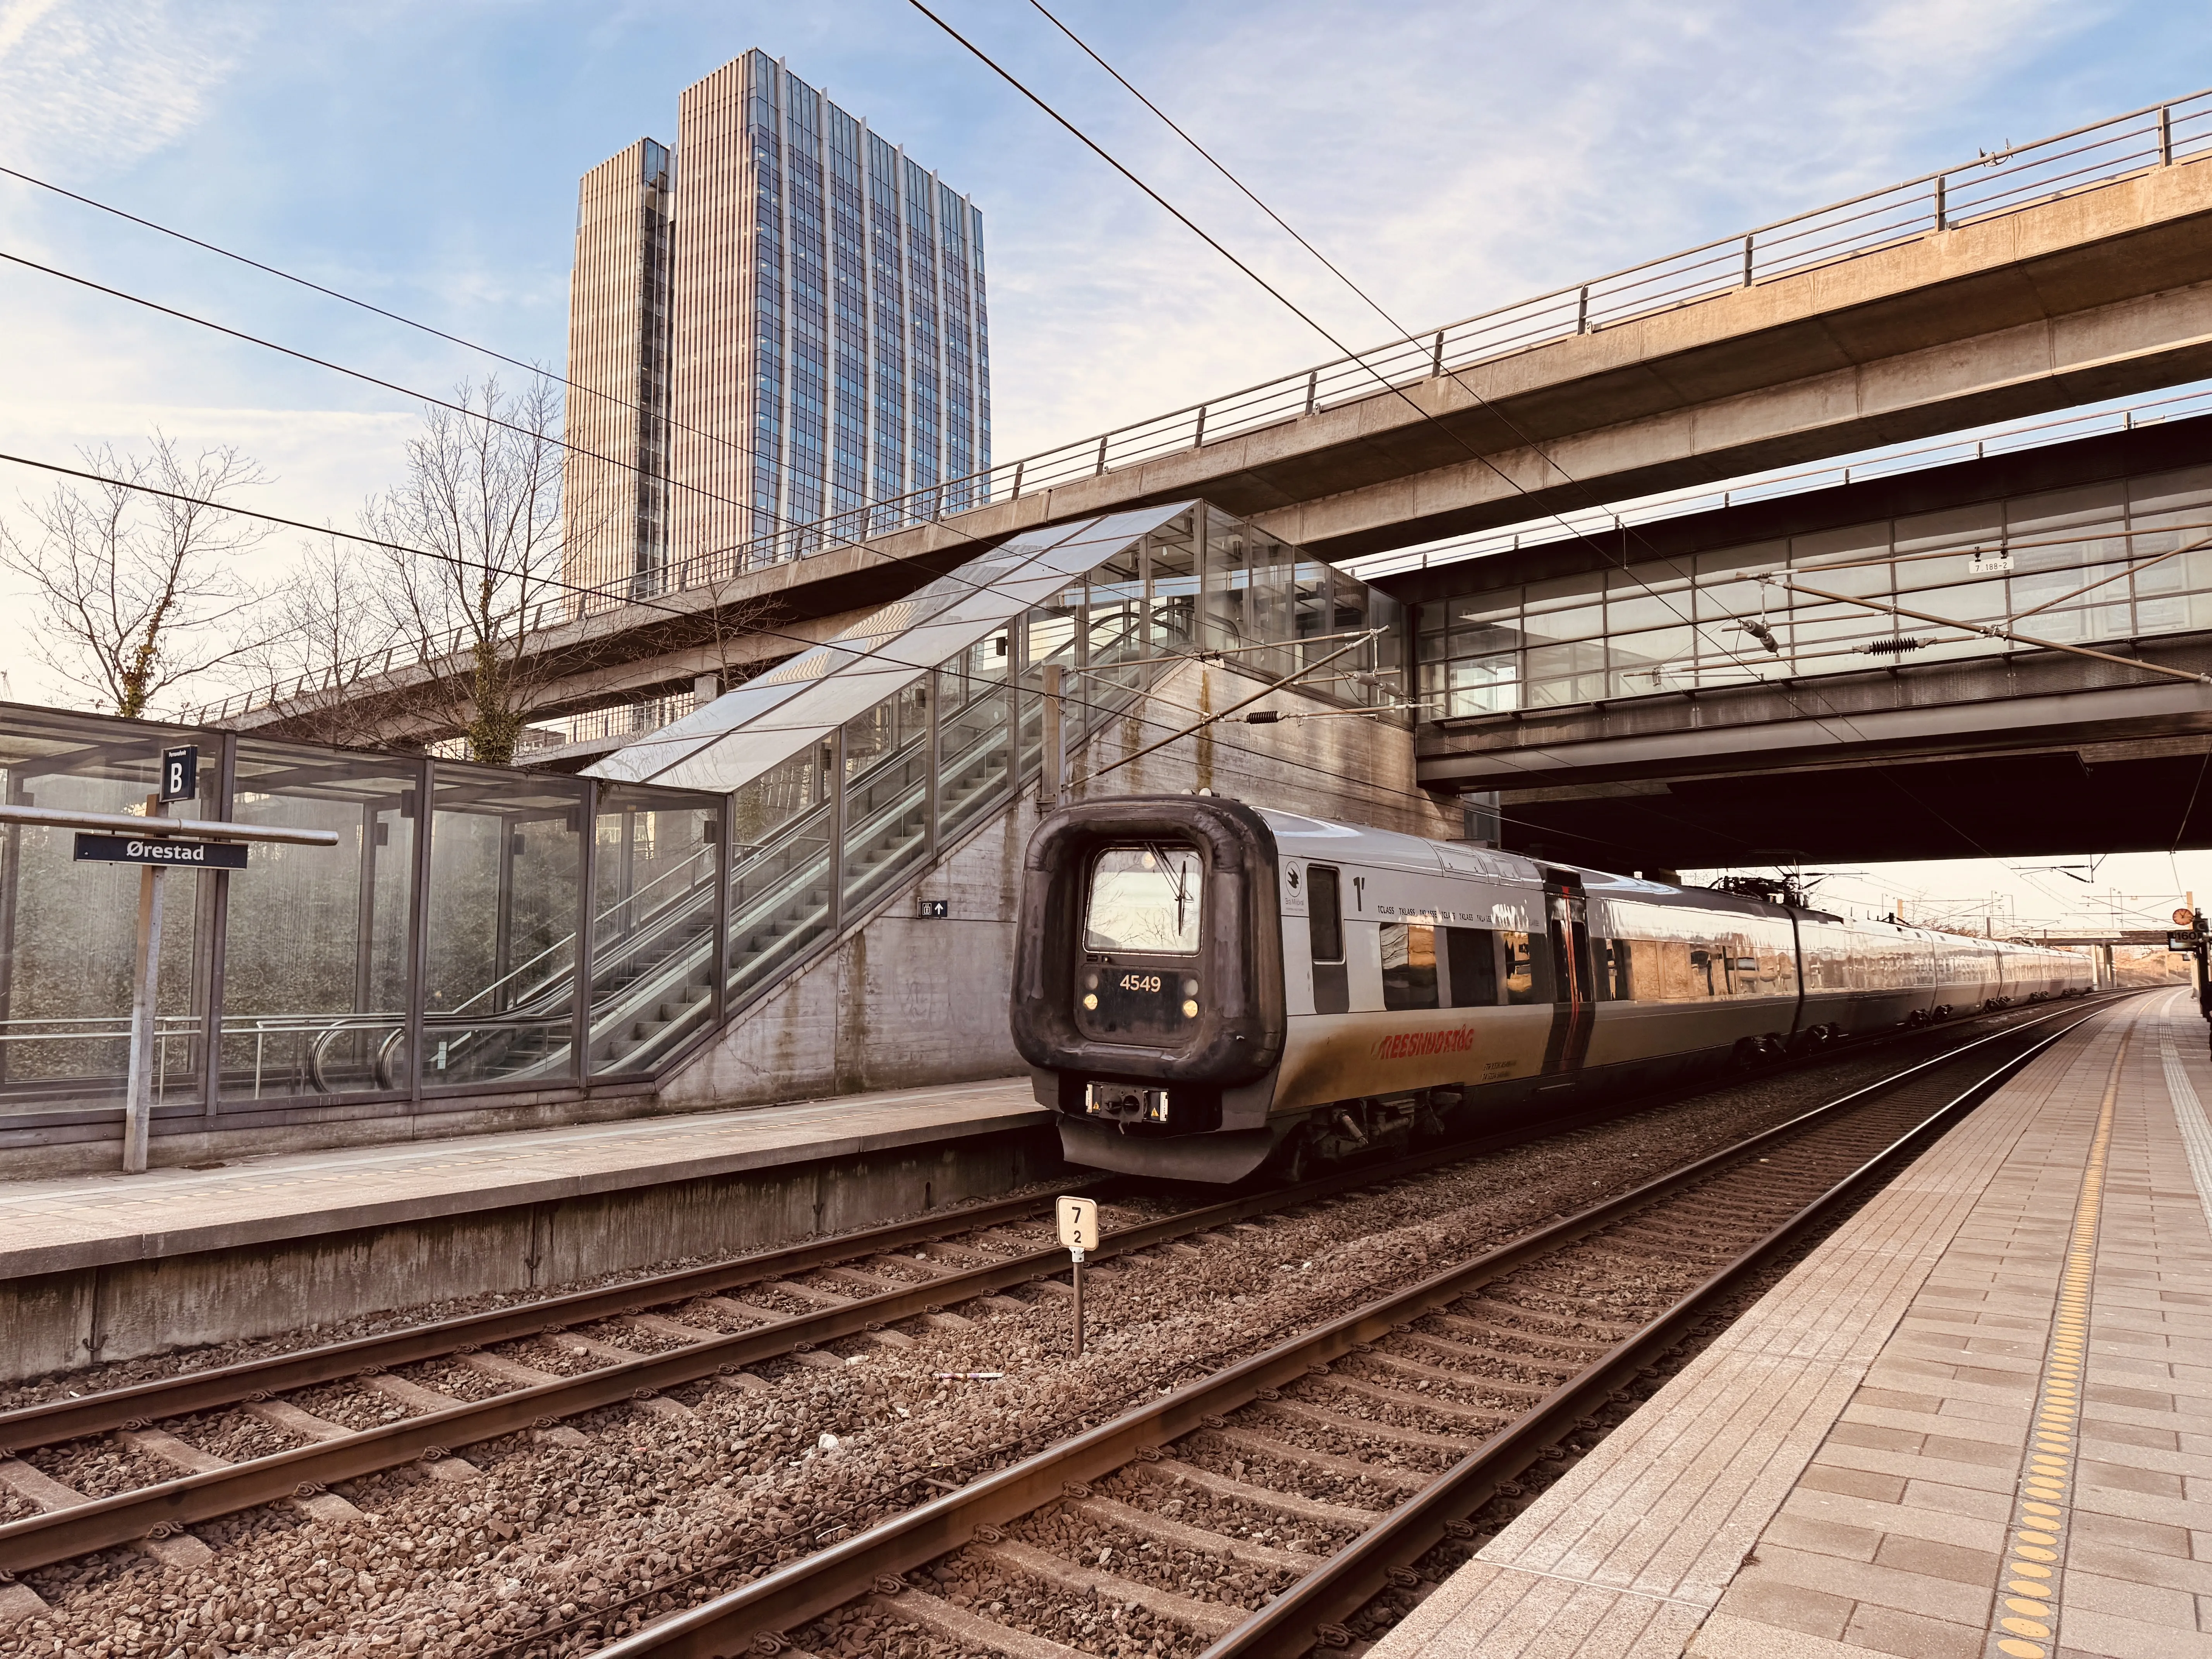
(1451, 155)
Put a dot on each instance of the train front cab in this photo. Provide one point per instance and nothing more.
(1148, 983)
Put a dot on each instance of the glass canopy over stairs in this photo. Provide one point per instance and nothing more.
(536, 932)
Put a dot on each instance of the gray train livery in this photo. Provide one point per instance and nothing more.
(1202, 989)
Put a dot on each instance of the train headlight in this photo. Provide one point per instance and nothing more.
(1090, 980)
(1190, 1011)
(1190, 987)
(1091, 1002)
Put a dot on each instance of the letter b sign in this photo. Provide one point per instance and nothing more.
(180, 774)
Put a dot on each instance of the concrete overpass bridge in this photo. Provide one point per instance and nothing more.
(2074, 269)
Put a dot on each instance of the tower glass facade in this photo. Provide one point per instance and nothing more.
(615, 475)
(825, 353)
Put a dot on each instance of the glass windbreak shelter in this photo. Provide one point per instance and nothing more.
(436, 953)
(852, 767)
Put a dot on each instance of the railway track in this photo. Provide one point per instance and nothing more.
(1296, 1498)
(694, 1326)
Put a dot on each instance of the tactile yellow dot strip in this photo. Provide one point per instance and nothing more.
(2024, 1619)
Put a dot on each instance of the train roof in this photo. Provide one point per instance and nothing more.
(1305, 837)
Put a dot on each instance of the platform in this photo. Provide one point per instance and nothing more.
(1897, 1450)
(271, 1244)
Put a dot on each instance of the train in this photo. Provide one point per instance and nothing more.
(1205, 990)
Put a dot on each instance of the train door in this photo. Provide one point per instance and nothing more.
(1566, 918)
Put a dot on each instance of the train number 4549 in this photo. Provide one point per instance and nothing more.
(1141, 981)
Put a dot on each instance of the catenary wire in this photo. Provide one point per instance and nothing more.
(1372, 785)
(1574, 531)
(1196, 230)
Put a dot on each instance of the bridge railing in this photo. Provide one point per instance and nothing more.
(1989, 187)
(1999, 439)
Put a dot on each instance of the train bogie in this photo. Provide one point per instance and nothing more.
(1201, 988)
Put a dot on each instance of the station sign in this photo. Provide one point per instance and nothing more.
(180, 772)
(159, 851)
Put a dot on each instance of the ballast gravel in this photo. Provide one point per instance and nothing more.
(554, 1548)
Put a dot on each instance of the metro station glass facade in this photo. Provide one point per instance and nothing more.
(2097, 564)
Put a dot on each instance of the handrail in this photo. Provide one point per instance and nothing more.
(1931, 203)
(130, 824)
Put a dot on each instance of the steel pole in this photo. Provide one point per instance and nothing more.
(1077, 1273)
(145, 986)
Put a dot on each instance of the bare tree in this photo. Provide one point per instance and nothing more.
(137, 592)
(333, 634)
(481, 506)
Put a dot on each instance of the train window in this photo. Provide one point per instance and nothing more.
(1324, 912)
(1527, 967)
(1144, 899)
(1409, 966)
(1471, 957)
(1611, 958)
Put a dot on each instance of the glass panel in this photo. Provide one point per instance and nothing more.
(69, 931)
(1228, 582)
(778, 874)
(1409, 965)
(975, 762)
(315, 971)
(506, 871)
(1324, 914)
(1309, 613)
(1562, 674)
(652, 926)
(1640, 664)
(1144, 900)
(1173, 566)
(1648, 596)
(886, 803)
(1480, 685)
(1527, 967)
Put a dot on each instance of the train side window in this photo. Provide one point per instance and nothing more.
(1409, 966)
(1527, 967)
(1611, 956)
(1324, 912)
(1471, 961)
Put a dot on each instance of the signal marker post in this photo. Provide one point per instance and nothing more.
(1079, 1230)
(155, 842)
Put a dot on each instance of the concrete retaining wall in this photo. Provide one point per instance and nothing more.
(122, 1310)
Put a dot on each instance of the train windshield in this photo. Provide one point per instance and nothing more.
(1144, 899)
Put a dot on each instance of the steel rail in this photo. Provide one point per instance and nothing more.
(32, 1426)
(1306, 1614)
(59, 1534)
(789, 1597)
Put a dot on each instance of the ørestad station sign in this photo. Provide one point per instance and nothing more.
(180, 777)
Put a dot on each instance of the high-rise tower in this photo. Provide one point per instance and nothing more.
(828, 343)
(615, 478)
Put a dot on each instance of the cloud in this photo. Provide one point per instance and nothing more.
(117, 81)
(1451, 158)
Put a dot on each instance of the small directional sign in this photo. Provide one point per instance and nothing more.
(159, 850)
(1078, 1222)
(180, 772)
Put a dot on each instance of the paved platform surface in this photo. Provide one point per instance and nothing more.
(65, 1221)
(1975, 1422)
